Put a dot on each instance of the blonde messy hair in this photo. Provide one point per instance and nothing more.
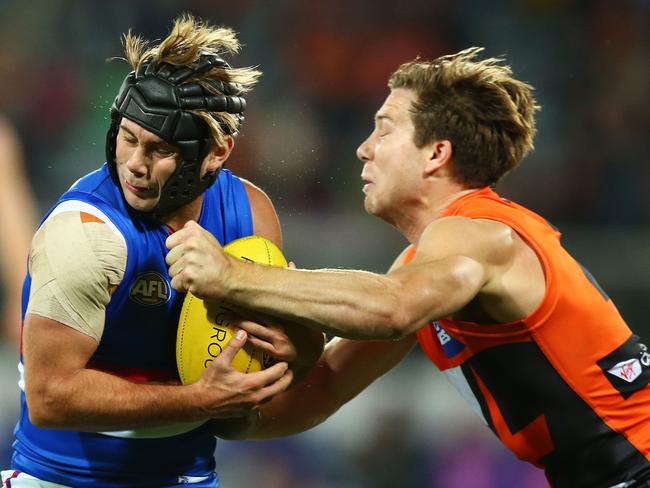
(477, 105)
(189, 39)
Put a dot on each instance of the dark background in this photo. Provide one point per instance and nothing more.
(325, 68)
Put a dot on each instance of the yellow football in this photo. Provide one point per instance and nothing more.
(205, 327)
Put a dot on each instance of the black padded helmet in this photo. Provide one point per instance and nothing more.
(157, 97)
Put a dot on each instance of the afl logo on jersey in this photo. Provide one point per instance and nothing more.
(150, 289)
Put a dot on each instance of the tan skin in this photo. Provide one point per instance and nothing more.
(18, 217)
(467, 269)
(63, 393)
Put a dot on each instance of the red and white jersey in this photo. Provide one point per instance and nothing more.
(565, 388)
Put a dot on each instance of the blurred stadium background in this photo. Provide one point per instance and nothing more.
(325, 68)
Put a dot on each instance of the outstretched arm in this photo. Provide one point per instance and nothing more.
(345, 369)
(455, 259)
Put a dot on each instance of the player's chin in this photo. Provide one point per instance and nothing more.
(370, 205)
(141, 204)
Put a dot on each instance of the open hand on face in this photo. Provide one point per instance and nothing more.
(196, 262)
(226, 392)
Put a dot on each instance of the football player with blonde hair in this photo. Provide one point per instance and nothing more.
(101, 402)
(517, 325)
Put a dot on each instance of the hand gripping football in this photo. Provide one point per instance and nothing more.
(204, 327)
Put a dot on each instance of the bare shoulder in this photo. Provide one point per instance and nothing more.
(254, 192)
(512, 283)
(486, 241)
(265, 219)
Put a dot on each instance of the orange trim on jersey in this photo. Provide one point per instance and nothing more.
(410, 254)
(88, 217)
(531, 443)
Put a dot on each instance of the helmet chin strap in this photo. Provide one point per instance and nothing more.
(158, 98)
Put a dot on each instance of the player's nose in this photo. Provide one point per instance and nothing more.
(136, 163)
(364, 152)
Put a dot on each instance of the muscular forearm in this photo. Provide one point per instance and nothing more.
(345, 303)
(63, 392)
(92, 400)
(344, 370)
(299, 409)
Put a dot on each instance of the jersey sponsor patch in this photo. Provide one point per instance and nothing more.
(628, 367)
(450, 346)
(627, 370)
(150, 288)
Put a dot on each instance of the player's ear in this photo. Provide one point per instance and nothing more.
(218, 155)
(438, 154)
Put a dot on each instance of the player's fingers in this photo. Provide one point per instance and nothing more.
(269, 323)
(177, 284)
(174, 255)
(269, 375)
(260, 344)
(194, 229)
(278, 386)
(234, 344)
(292, 265)
(176, 268)
(255, 329)
(176, 238)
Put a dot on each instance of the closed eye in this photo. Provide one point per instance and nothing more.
(165, 152)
